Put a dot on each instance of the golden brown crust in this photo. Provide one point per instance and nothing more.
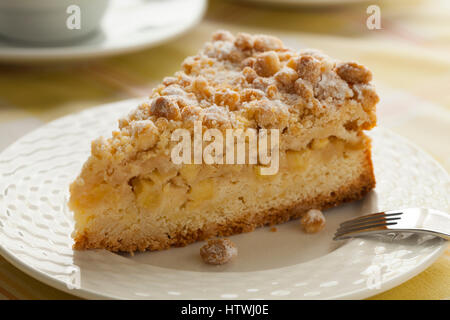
(354, 191)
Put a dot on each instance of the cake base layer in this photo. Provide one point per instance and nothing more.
(247, 223)
(327, 181)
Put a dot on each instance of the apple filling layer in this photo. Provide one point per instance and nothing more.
(186, 198)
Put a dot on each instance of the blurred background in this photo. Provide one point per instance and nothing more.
(408, 53)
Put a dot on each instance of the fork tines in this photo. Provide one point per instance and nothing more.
(368, 223)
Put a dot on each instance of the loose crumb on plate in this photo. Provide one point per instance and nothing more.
(313, 221)
(218, 251)
(273, 229)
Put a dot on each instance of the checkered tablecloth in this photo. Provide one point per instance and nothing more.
(409, 57)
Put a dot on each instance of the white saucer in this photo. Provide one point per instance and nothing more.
(128, 25)
(35, 228)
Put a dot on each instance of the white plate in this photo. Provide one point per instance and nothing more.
(128, 25)
(35, 228)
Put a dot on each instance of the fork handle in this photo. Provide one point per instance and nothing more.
(437, 222)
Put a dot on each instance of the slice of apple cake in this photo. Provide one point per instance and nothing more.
(131, 194)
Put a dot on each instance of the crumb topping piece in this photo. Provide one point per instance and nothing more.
(353, 72)
(166, 108)
(252, 81)
(313, 221)
(218, 251)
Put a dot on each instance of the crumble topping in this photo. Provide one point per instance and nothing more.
(165, 107)
(353, 72)
(313, 221)
(252, 81)
(219, 251)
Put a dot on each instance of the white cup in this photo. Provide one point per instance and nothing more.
(50, 21)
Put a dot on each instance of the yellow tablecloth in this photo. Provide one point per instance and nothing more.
(409, 56)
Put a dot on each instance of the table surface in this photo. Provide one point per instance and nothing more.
(409, 57)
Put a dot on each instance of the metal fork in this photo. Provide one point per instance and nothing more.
(411, 220)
